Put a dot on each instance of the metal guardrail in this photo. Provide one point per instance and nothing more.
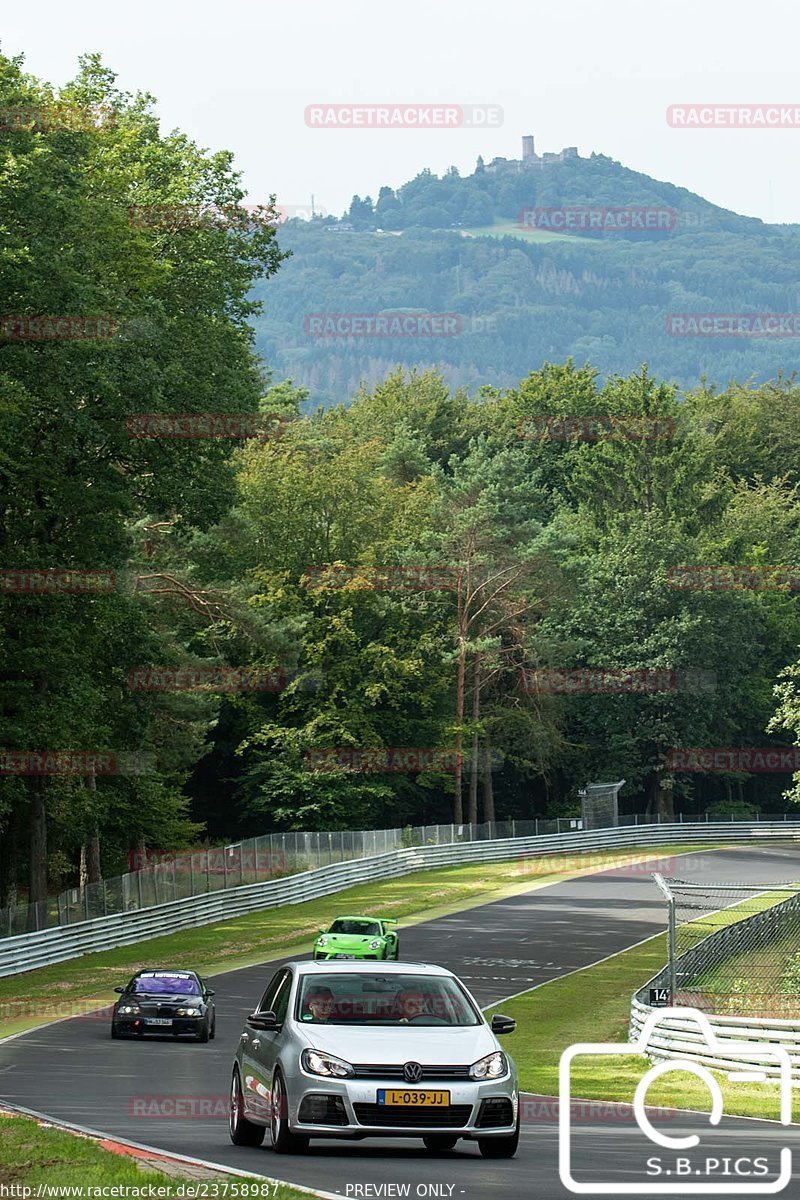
(27, 951)
(675, 1037)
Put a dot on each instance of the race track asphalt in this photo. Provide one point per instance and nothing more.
(73, 1072)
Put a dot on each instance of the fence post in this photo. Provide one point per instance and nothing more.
(671, 934)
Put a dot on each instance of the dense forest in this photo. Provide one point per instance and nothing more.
(417, 570)
(525, 296)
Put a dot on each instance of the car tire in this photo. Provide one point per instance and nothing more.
(242, 1132)
(213, 1032)
(204, 1034)
(500, 1147)
(283, 1140)
(437, 1143)
(396, 949)
(115, 1033)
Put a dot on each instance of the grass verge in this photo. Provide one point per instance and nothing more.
(75, 986)
(593, 1005)
(33, 1155)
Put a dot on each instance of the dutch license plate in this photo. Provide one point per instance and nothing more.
(158, 1020)
(415, 1099)
(352, 956)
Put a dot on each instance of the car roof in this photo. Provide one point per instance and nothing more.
(367, 967)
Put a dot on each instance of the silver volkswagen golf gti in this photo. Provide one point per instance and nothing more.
(355, 1050)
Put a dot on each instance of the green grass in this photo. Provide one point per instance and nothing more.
(31, 1154)
(506, 228)
(80, 984)
(593, 1005)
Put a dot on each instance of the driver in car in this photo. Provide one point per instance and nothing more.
(319, 1005)
(411, 1005)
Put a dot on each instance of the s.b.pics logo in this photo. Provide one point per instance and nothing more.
(702, 1154)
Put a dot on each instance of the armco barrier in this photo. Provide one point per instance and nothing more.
(27, 951)
(676, 1037)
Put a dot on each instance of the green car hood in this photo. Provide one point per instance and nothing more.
(350, 942)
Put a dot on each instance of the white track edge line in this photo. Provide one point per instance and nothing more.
(159, 1153)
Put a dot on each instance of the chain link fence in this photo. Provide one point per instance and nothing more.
(254, 860)
(734, 949)
(257, 860)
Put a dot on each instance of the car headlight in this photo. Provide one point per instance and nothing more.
(129, 1009)
(317, 1062)
(491, 1067)
(374, 945)
(323, 941)
(188, 1012)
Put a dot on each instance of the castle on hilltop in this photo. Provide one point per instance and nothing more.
(530, 158)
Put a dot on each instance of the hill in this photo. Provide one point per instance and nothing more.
(489, 249)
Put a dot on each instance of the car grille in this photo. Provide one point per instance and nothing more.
(495, 1113)
(450, 1116)
(318, 1109)
(395, 1071)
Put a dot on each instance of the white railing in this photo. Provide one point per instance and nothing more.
(27, 951)
(679, 1037)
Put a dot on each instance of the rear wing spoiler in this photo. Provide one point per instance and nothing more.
(389, 920)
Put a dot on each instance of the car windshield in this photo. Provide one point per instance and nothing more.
(353, 925)
(166, 982)
(397, 1000)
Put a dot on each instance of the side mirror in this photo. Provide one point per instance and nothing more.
(120, 990)
(210, 993)
(262, 1020)
(501, 1024)
(323, 931)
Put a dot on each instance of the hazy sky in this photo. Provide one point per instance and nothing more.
(587, 73)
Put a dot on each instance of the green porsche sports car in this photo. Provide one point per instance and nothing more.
(358, 937)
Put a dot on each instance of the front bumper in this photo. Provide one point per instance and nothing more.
(466, 1115)
(177, 1025)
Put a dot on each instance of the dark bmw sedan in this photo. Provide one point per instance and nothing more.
(166, 1002)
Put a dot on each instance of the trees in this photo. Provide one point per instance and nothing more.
(73, 479)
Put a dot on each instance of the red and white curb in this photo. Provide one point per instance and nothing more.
(152, 1154)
